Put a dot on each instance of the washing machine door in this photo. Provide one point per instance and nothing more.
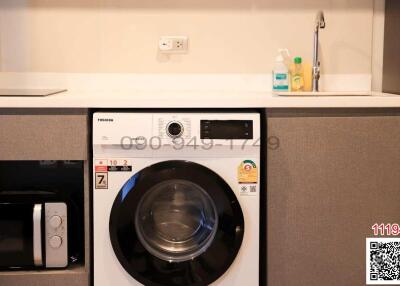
(176, 223)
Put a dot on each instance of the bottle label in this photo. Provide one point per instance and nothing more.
(280, 76)
(281, 87)
(281, 82)
(298, 83)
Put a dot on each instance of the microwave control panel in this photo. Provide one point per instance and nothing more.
(56, 235)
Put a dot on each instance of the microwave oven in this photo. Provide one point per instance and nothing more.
(33, 232)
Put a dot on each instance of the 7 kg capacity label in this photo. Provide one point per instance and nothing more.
(101, 180)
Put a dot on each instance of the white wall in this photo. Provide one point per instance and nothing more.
(226, 36)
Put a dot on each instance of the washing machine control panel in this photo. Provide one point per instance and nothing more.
(122, 131)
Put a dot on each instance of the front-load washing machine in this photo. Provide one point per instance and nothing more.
(176, 198)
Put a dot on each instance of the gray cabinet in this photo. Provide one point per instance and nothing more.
(43, 134)
(330, 176)
(48, 134)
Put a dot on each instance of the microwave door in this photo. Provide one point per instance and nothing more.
(20, 235)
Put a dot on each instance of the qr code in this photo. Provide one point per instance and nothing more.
(383, 261)
(248, 190)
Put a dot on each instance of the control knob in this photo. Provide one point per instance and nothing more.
(55, 221)
(55, 241)
(174, 129)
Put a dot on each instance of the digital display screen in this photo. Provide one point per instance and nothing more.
(11, 236)
(226, 129)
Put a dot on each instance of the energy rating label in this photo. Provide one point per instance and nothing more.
(247, 172)
(247, 176)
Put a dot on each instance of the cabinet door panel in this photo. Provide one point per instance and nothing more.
(331, 178)
(55, 134)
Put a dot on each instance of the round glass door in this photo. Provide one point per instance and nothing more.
(176, 220)
(176, 223)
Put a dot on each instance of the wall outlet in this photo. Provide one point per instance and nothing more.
(173, 44)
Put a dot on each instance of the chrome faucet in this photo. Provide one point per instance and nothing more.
(316, 70)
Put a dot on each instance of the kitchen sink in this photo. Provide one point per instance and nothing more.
(326, 93)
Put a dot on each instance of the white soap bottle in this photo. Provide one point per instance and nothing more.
(280, 74)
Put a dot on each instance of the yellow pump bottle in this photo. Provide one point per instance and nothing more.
(298, 75)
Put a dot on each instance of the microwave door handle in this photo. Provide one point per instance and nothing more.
(37, 235)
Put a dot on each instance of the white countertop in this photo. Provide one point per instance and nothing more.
(186, 91)
(194, 99)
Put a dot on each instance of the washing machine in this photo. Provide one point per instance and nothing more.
(176, 198)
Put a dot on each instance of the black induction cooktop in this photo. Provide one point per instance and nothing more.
(29, 92)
